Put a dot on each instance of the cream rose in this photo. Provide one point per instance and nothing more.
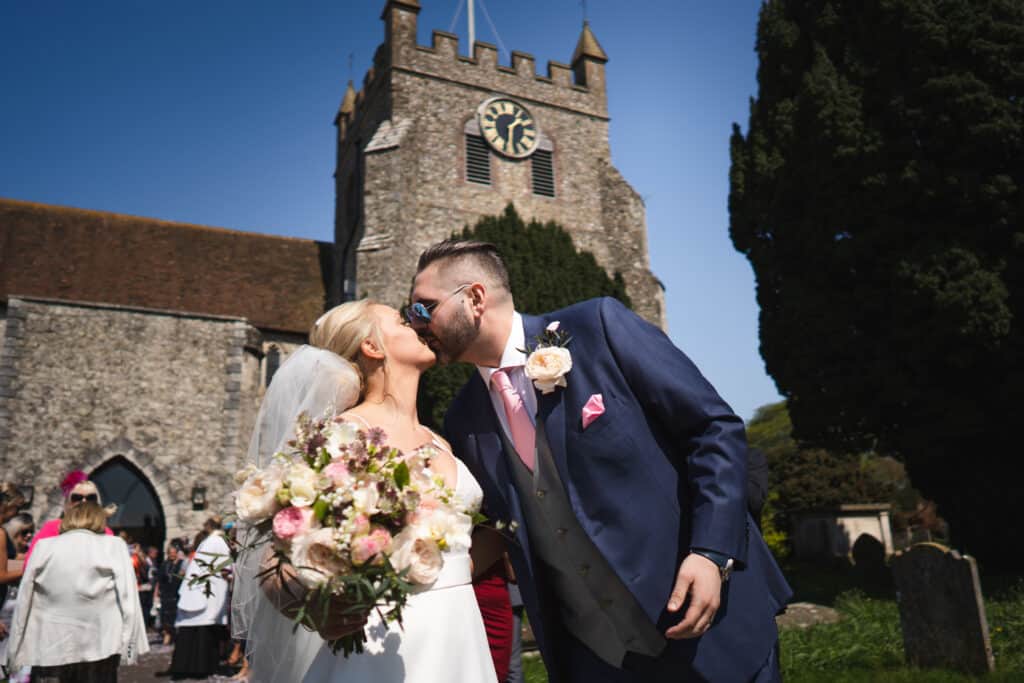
(303, 483)
(421, 556)
(339, 436)
(365, 498)
(316, 558)
(450, 527)
(547, 367)
(256, 500)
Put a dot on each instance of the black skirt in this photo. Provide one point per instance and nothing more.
(197, 651)
(103, 671)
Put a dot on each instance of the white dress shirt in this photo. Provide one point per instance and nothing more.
(513, 361)
(77, 603)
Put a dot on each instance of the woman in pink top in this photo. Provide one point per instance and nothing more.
(77, 488)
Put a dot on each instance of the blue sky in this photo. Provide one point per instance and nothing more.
(219, 113)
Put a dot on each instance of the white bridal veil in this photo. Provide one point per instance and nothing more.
(314, 381)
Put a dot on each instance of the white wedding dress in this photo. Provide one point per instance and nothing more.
(441, 639)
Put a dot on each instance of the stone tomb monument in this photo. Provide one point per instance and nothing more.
(942, 614)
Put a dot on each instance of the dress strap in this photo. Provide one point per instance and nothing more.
(358, 417)
(436, 440)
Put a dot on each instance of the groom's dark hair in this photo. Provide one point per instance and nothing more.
(483, 255)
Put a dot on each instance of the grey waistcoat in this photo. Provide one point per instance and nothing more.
(593, 603)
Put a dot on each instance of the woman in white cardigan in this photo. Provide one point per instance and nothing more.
(78, 615)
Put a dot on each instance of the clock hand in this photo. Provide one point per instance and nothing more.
(511, 128)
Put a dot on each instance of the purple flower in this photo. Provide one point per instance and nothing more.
(376, 436)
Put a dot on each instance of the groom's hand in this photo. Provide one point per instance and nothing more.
(698, 585)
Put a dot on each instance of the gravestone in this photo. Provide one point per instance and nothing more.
(942, 614)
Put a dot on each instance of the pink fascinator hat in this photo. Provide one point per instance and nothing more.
(73, 480)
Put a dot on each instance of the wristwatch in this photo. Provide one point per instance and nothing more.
(723, 562)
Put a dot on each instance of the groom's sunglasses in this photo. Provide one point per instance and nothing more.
(420, 313)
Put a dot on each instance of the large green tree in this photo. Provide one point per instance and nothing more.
(546, 272)
(877, 194)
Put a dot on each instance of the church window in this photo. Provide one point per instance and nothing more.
(478, 160)
(542, 173)
(273, 362)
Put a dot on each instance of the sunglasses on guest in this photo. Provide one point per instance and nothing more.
(420, 313)
(79, 497)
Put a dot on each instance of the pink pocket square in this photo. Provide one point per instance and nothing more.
(593, 410)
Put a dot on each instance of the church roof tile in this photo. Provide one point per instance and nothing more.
(56, 252)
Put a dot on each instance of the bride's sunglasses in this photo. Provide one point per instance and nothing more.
(420, 313)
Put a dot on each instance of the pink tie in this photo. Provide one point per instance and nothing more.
(523, 435)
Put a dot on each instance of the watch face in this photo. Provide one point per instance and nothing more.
(508, 127)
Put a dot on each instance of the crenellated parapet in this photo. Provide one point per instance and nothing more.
(578, 86)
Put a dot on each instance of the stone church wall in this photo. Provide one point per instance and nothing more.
(174, 394)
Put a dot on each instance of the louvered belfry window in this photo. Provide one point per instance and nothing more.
(478, 160)
(543, 173)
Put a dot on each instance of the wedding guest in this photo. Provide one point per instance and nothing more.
(15, 533)
(11, 501)
(202, 608)
(515, 662)
(143, 567)
(78, 615)
(168, 584)
(496, 610)
(77, 489)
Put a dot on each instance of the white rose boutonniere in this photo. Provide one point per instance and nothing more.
(549, 361)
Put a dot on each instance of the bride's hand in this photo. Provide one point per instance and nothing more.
(280, 583)
(339, 624)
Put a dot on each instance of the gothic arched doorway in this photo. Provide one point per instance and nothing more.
(139, 512)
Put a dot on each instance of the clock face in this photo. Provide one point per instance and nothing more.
(508, 127)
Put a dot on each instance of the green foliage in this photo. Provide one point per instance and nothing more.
(877, 194)
(546, 273)
(802, 478)
(772, 528)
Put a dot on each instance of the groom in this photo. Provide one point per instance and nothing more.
(623, 471)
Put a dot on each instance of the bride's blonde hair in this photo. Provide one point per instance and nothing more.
(342, 330)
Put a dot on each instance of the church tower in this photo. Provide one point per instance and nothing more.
(434, 140)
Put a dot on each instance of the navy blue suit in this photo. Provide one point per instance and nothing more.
(663, 470)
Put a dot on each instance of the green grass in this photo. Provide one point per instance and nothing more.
(866, 646)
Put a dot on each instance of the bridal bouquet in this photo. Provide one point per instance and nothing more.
(361, 522)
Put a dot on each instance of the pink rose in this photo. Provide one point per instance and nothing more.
(427, 505)
(338, 473)
(292, 521)
(361, 525)
(370, 547)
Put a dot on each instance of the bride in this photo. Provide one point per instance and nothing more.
(364, 362)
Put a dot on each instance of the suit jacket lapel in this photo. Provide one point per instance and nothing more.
(550, 407)
(493, 452)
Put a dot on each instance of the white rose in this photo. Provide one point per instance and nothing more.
(451, 528)
(256, 500)
(303, 483)
(340, 435)
(547, 367)
(421, 556)
(365, 498)
(316, 557)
